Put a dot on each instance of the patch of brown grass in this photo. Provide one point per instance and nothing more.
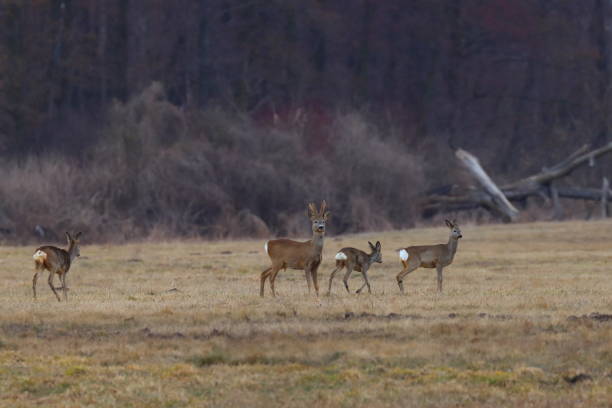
(511, 327)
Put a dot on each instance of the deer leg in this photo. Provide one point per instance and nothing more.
(361, 288)
(439, 270)
(408, 267)
(308, 277)
(331, 278)
(367, 282)
(34, 280)
(264, 275)
(315, 279)
(273, 274)
(349, 270)
(64, 288)
(51, 275)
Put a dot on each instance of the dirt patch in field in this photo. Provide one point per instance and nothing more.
(573, 379)
(399, 316)
(390, 316)
(337, 326)
(599, 317)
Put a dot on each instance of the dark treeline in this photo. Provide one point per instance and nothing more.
(224, 117)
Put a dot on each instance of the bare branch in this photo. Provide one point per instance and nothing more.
(559, 170)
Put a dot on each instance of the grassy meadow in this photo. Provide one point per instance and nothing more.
(181, 324)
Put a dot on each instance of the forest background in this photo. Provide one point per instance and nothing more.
(223, 118)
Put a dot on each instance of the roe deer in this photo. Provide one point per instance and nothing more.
(430, 256)
(56, 260)
(285, 253)
(356, 260)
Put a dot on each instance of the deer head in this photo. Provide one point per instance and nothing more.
(376, 256)
(455, 231)
(73, 243)
(318, 217)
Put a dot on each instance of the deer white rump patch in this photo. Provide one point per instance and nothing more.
(39, 255)
(341, 256)
(403, 254)
(266, 247)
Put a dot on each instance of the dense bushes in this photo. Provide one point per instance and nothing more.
(160, 171)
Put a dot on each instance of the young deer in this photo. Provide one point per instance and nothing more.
(430, 256)
(356, 260)
(285, 253)
(56, 260)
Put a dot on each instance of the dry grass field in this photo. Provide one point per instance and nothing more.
(515, 326)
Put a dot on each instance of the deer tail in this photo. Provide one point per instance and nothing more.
(39, 256)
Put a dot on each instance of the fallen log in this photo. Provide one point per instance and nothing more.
(561, 169)
(497, 200)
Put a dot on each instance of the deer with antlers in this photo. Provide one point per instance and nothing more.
(430, 256)
(356, 260)
(56, 261)
(286, 253)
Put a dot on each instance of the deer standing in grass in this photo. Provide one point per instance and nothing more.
(356, 260)
(56, 261)
(430, 256)
(285, 253)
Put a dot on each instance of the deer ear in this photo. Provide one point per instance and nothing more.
(326, 215)
(378, 245)
(68, 237)
(372, 246)
(77, 235)
(454, 222)
(448, 223)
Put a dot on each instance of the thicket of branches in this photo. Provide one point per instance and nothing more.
(224, 117)
(160, 170)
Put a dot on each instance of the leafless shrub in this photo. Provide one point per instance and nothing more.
(293, 225)
(160, 171)
(241, 224)
(366, 215)
(379, 177)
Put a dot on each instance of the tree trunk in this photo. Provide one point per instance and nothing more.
(498, 200)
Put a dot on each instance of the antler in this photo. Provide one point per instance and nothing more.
(313, 209)
(323, 208)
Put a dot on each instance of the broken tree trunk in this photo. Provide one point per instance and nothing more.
(496, 200)
(543, 184)
(557, 208)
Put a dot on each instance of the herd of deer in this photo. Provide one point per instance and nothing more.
(286, 253)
